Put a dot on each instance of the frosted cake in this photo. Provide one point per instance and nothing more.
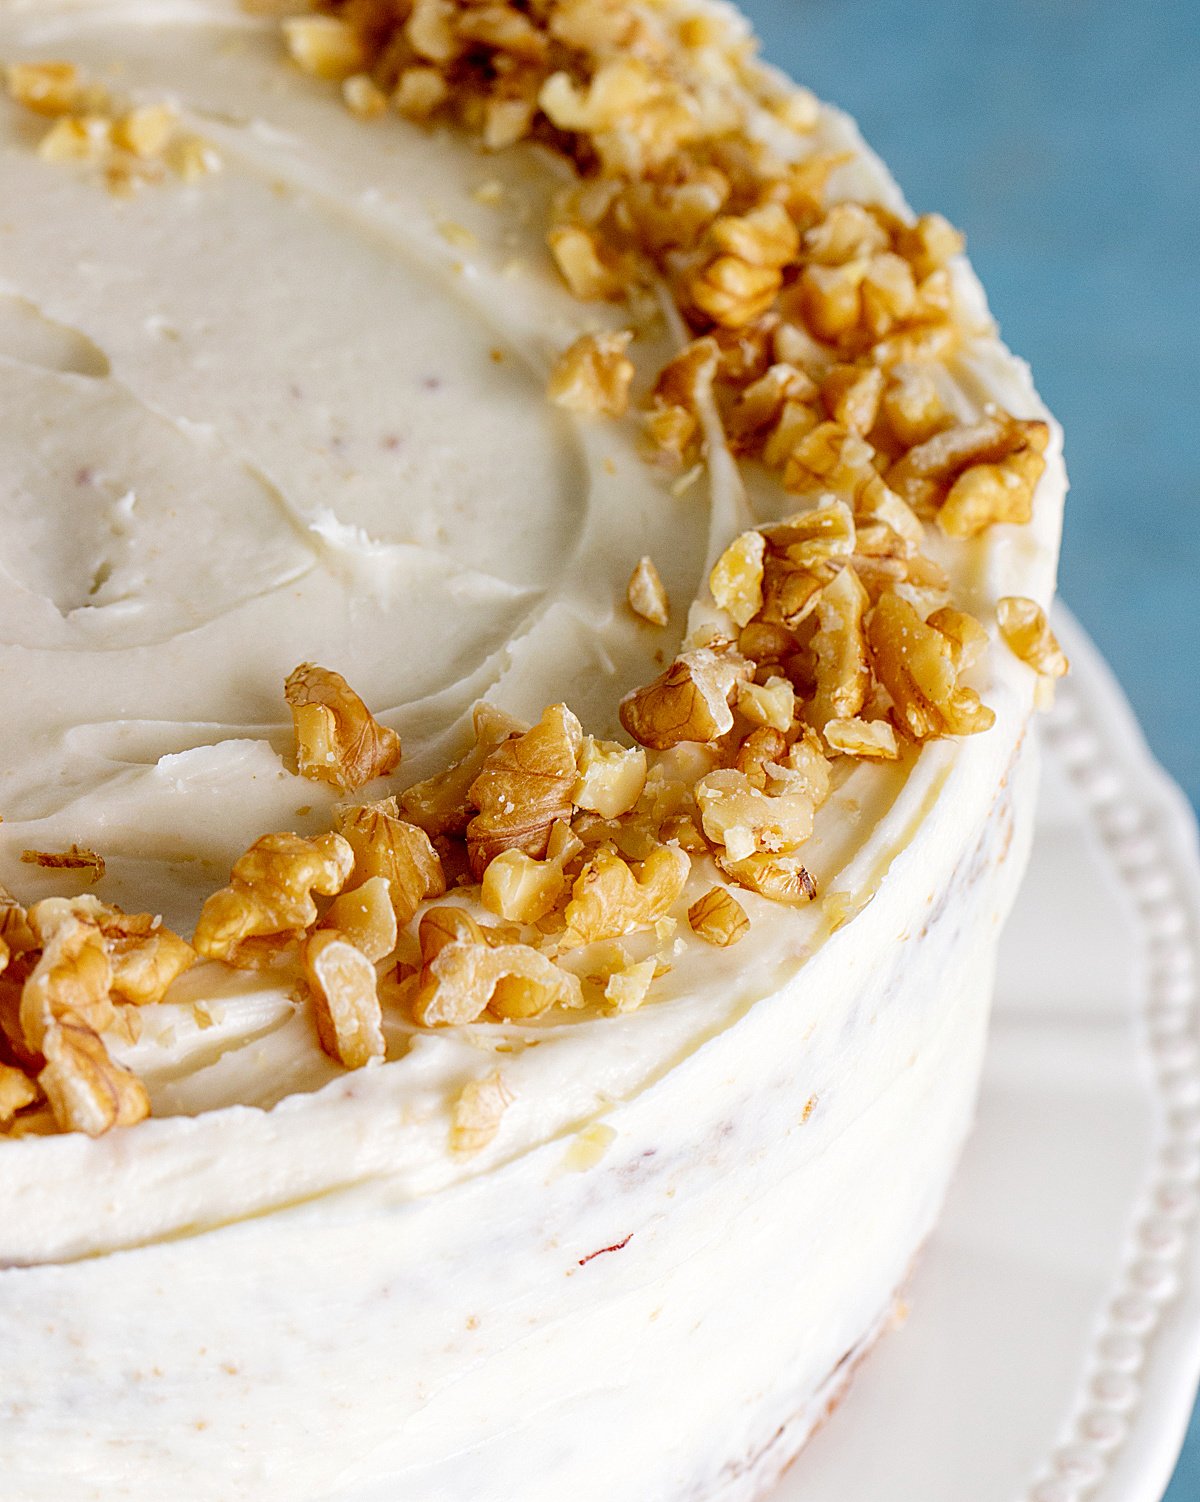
(522, 586)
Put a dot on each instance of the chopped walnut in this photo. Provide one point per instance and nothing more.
(145, 965)
(839, 647)
(873, 739)
(746, 819)
(385, 845)
(345, 996)
(647, 594)
(577, 257)
(766, 236)
(269, 904)
(50, 88)
(736, 578)
(593, 375)
(625, 990)
(17, 1091)
(968, 640)
(1024, 627)
(733, 292)
(366, 917)
(719, 918)
(689, 702)
(419, 92)
(686, 381)
(852, 394)
(364, 97)
(87, 1090)
(782, 878)
(144, 131)
(805, 553)
(338, 740)
(912, 407)
(520, 889)
(771, 704)
(324, 46)
(478, 1112)
(462, 975)
(77, 858)
(974, 474)
(915, 663)
(441, 805)
(73, 974)
(611, 777)
(610, 898)
(524, 787)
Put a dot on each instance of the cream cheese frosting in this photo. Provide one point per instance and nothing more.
(295, 410)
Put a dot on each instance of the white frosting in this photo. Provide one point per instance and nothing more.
(259, 419)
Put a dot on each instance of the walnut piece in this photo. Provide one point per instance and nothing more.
(76, 858)
(523, 788)
(689, 702)
(611, 898)
(463, 975)
(577, 257)
(839, 647)
(440, 804)
(87, 1090)
(873, 739)
(324, 46)
(593, 375)
(611, 777)
(345, 996)
(338, 740)
(385, 845)
(973, 475)
(736, 578)
(73, 974)
(914, 661)
(520, 889)
(17, 1091)
(647, 594)
(719, 918)
(1024, 627)
(49, 88)
(366, 917)
(748, 820)
(269, 904)
(782, 878)
(626, 989)
(478, 1112)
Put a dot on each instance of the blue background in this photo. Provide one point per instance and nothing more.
(1064, 137)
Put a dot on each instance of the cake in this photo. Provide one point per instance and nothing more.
(524, 571)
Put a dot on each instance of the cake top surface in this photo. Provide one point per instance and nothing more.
(562, 417)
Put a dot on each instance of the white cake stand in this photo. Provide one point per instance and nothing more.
(1053, 1345)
